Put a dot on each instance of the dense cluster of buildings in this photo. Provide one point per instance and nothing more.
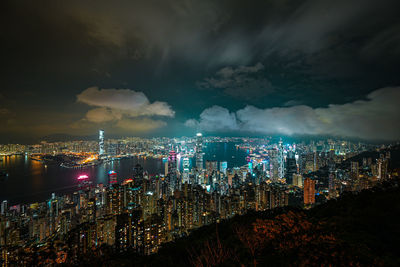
(141, 213)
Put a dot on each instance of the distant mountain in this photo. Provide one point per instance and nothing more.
(394, 161)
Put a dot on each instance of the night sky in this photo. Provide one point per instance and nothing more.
(165, 68)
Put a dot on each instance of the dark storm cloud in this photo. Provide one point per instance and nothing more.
(243, 82)
(4, 112)
(269, 53)
(222, 33)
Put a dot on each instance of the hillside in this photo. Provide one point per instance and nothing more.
(358, 229)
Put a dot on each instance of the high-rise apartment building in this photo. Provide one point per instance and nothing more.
(309, 191)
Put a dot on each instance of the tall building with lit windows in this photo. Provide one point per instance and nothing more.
(101, 143)
(297, 180)
(281, 160)
(172, 170)
(186, 170)
(354, 171)
(112, 178)
(309, 191)
(199, 151)
(223, 165)
(4, 207)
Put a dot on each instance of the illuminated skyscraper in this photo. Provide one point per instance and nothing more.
(101, 143)
(354, 170)
(112, 177)
(211, 166)
(332, 185)
(281, 161)
(382, 165)
(315, 168)
(223, 165)
(172, 166)
(186, 165)
(166, 168)
(4, 207)
(309, 191)
(291, 168)
(138, 173)
(172, 170)
(199, 151)
(297, 180)
(250, 166)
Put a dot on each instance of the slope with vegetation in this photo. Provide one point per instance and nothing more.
(354, 230)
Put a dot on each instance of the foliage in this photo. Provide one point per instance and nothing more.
(354, 230)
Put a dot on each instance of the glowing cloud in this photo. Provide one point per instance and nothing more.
(124, 108)
(373, 118)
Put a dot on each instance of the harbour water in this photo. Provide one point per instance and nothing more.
(30, 181)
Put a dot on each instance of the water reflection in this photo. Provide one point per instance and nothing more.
(36, 174)
(31, 181)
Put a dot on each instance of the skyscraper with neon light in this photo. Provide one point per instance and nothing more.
(112, 177)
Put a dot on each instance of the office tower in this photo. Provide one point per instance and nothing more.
(250, 166)
(166, 168)
(138, 173)
(101, 143)
(223, 166)
(199, 151)
(83, 180)
(315, 159)
(211, 166)
(291, 169)
(186, 165)
(364, 162)
(354, 170)
(382, 165)
(265, 166)
(172, 166)
(332, 185)
(332, 153)
(112, 178)
(172, 170)
(4, 207)
(309, 191)
(281, 167)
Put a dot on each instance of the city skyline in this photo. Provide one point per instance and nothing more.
(200, 133)
(79, 199)
(293, 68)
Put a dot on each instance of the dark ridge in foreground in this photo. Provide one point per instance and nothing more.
(360, 229)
